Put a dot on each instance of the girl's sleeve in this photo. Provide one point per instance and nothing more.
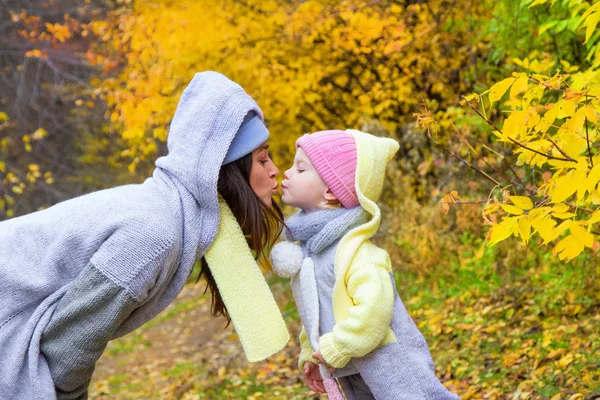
(83, 322)
(368, 319)
(306, 350)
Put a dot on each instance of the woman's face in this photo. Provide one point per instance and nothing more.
(263, 175)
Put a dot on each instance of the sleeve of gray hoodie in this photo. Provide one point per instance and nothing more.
(84, 321)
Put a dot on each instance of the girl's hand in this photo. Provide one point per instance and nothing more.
(317, 355)
(313, 377)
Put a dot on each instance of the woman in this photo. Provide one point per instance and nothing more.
(96, 267)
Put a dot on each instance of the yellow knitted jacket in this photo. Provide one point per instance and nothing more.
(363, 295)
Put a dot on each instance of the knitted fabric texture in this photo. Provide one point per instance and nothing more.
(373, 154)
(251, 134)
(320, 229)
(145, 238)
(250, 304)
(333, 154)
(316, 230)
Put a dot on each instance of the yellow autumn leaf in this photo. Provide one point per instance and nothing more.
(560, 208)
(520, 85)
(564, 188)
(39, 134)
(582, 235)
(563, 215)
(524, 229)
(594, 218)
(515, 125)
(492, 208)
(566, 108)
(555, 354)
(540, 212)
(566, 360)
(511, 209)
(548, 119)
(595, 197)
(593, 178)
(503, 230)
(568, 248)
(511, 359)
(522, 202)
(545, 228)
(590, 114)
(3, 116)
(497, 91)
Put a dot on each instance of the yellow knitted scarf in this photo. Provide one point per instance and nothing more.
(244, 290)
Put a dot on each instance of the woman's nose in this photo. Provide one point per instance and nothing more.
(274, 171)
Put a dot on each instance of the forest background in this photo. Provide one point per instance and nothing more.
(491, 205)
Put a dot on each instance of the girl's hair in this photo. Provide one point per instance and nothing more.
(260, 223)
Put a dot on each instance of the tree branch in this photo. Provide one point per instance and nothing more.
(559, 149)
(587, 136)
(513, 140)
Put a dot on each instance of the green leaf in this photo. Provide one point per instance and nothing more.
(546, 26)
(537, 2)
(591, 23)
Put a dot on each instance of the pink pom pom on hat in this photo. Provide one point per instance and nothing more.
(333, 153)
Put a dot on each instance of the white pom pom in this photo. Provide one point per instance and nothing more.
(286, 258)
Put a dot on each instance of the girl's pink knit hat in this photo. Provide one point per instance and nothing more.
(333, 153)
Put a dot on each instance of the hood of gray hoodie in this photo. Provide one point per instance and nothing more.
(145, 238)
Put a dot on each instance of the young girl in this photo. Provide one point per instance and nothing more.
(354, 324)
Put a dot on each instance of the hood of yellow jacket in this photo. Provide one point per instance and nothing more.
(373, 154)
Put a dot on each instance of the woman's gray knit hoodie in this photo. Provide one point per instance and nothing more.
(96, 267)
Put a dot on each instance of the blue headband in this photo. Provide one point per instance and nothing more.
(251, 134)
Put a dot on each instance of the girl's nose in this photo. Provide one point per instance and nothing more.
(286, 174)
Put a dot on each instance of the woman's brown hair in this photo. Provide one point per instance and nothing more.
(260, 223)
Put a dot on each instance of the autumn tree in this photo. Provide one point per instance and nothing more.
(47, 106)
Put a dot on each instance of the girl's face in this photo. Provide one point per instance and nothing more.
(303, 187)
(263, 174)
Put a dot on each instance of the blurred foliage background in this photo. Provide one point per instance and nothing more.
(88, 89)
